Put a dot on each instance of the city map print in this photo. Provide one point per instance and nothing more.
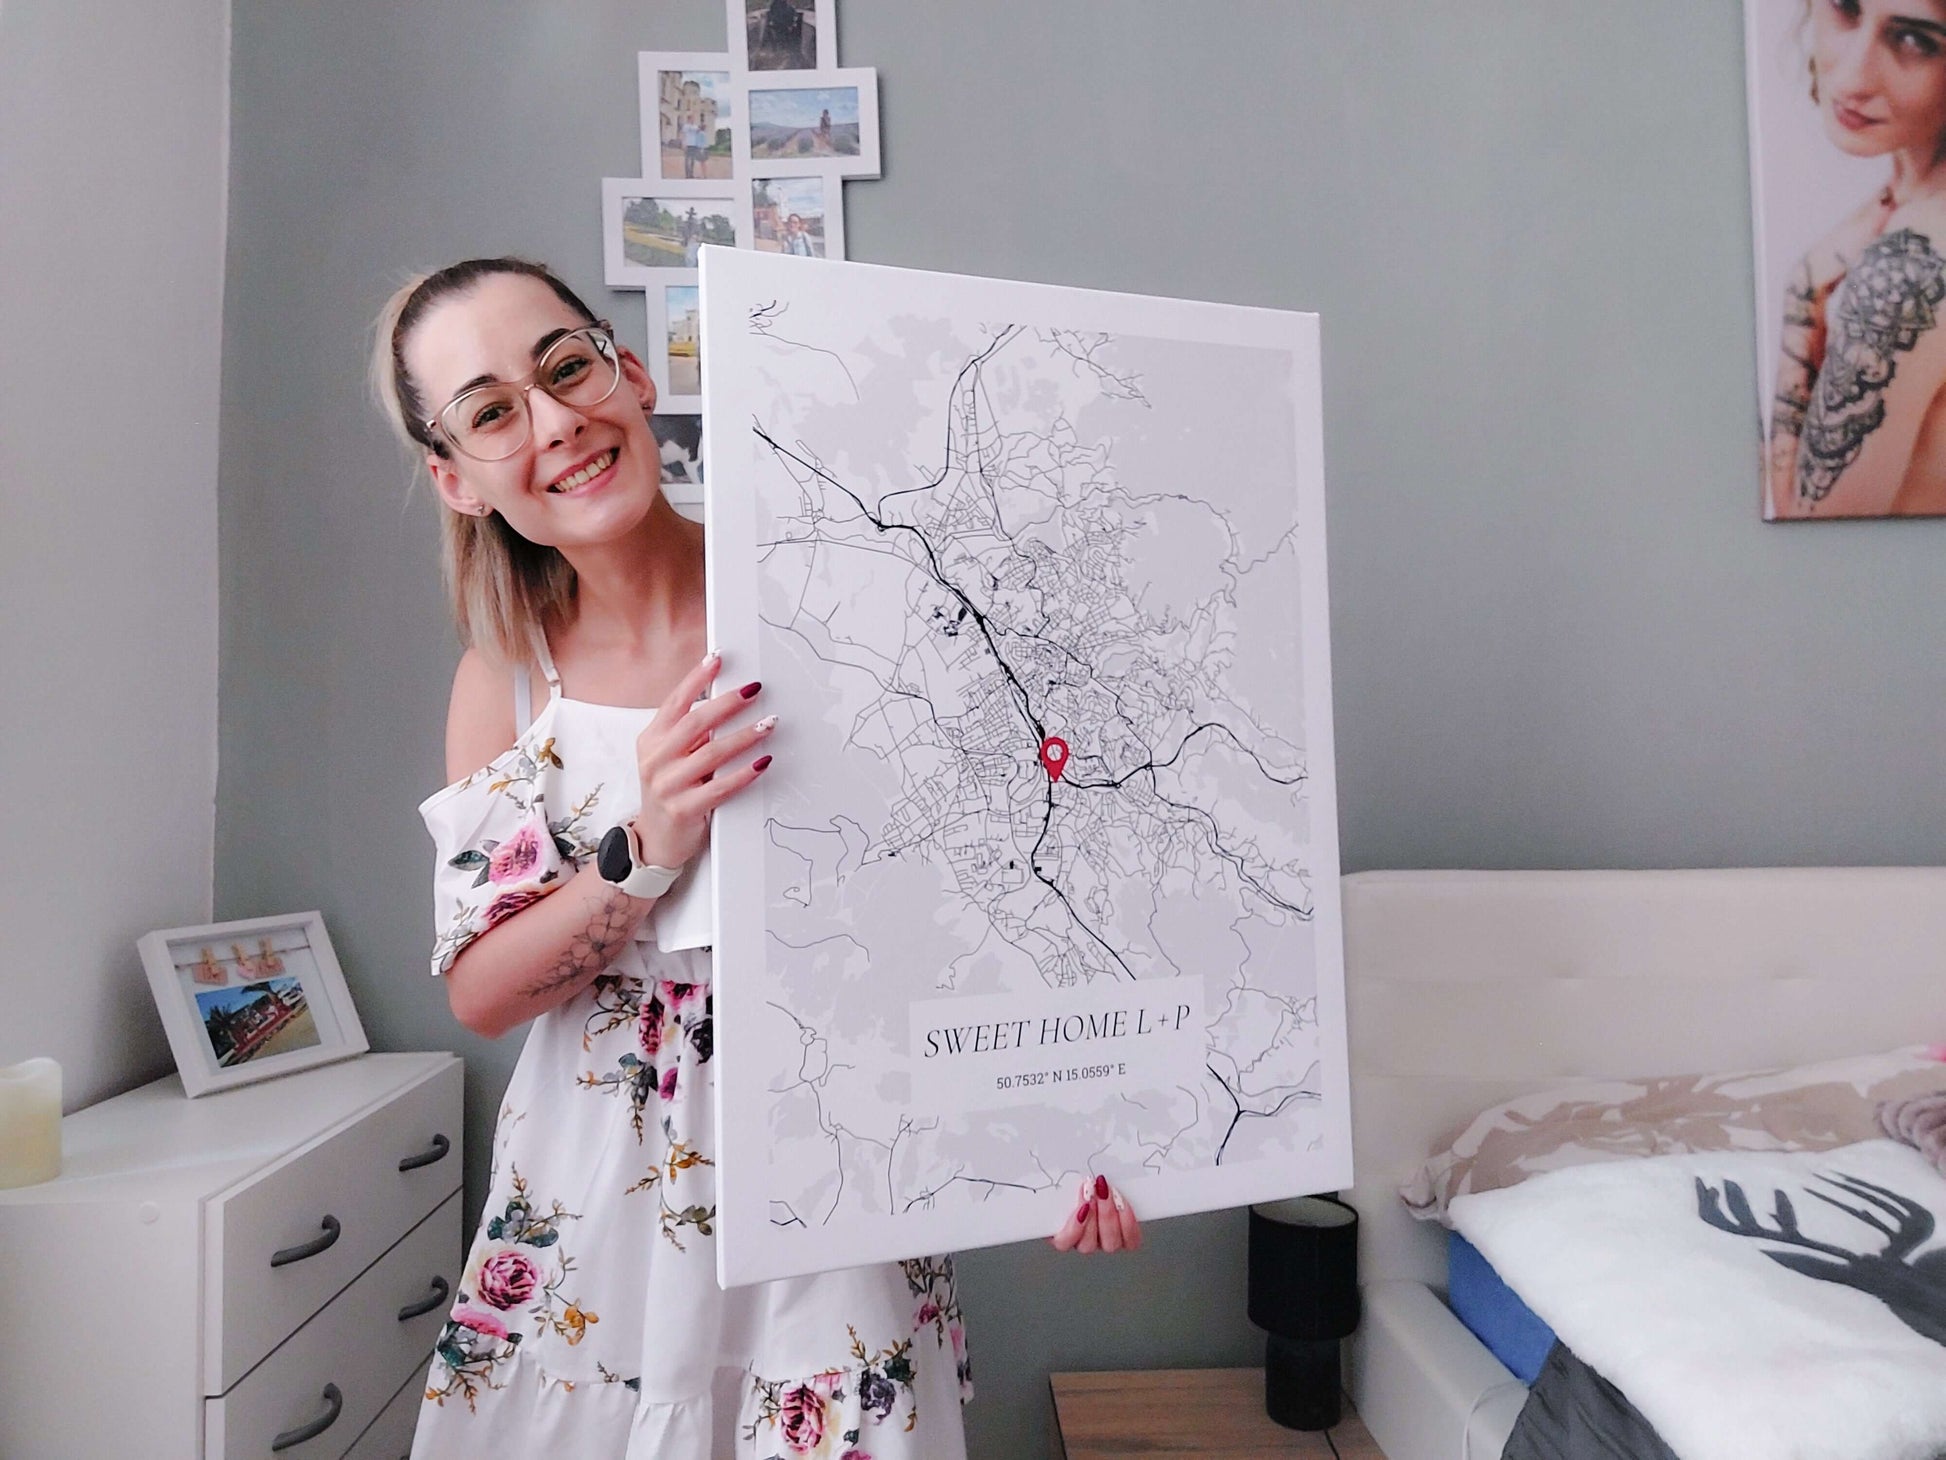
(1040, 862)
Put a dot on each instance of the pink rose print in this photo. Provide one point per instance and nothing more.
(648, 1028)
(680, 993)
(928, 1311)
(802, 1418)
(669, 1084)
(958, 1335)
(518, 857)
(508, 903)
(480, 1321)
(855, 1455)
(508, 1278)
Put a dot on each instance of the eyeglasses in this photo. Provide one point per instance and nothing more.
(492, 422)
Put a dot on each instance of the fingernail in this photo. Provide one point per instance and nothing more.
(1101, 1188)
(1087, 1190)
(1120, 1205)
(749, 690)
(762, 761)
(1081, 1214)
(713, 656)
(765, 725)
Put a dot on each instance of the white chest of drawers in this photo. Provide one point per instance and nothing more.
(209, 1279)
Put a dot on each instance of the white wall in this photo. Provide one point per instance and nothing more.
(113, 122)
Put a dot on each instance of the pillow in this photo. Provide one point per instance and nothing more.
(1806, 1108)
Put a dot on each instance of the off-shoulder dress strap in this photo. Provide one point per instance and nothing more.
(523, 700)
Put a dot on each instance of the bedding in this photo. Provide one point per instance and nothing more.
(1493, 1312)
(1742, 1303)
(1803, 1108)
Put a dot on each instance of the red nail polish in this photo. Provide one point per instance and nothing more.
(1081, 1215)
(749, 690)
(1101, 1188)
(761, 762)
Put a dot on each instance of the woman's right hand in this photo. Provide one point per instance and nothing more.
(682, 766)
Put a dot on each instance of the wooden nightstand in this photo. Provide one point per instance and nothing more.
(1184, 1412)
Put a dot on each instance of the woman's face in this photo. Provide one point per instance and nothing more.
(497, 331)
(1881, 74)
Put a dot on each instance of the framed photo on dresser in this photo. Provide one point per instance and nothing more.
(247, 1000)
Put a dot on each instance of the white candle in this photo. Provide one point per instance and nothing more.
(30, 1123)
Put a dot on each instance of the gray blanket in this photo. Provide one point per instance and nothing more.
(1575, 1414)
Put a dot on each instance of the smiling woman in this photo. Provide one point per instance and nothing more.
(1857, 426)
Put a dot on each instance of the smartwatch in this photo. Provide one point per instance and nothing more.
(619, 860)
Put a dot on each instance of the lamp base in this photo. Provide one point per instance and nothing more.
(1303, 1386)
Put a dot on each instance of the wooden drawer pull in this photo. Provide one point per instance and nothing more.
(425, 1305)
(334, 1404)
(437, 1152)
(312, 1248)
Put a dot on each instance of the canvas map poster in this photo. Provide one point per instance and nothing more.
(1044, 882)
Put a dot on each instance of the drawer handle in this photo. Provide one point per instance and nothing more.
(308, 1249)
(426, 1304)
(334, 1405)
(440, 1146)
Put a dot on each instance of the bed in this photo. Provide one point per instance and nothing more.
(1465, 989)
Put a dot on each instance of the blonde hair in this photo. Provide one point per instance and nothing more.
(502, 589)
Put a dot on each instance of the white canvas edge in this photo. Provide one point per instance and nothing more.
(739, 38)
(866, 164)
(737, 847)
(648, 102)
(187, 1043)
(1759, 271)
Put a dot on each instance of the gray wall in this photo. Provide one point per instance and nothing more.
(112, 131)
(1563, 638)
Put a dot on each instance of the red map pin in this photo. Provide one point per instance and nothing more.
(1054, 755)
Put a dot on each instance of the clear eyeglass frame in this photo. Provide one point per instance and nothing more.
(599, 334)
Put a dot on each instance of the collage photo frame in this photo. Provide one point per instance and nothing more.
(744, 148)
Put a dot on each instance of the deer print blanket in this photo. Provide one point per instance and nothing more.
(1788, 1305)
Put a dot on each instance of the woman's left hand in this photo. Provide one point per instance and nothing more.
(1101, 1221)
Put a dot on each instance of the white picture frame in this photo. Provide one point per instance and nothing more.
(628, 246)
(664, 157)
(781, 130)
(675, 305)
(684, 467)
(754, 53)
(251, 999)
(768, 227)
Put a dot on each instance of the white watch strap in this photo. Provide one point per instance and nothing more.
(647, 879)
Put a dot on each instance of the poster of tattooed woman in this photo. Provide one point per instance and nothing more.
(1848, 188)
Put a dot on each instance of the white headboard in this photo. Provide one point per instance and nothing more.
(1465, 988)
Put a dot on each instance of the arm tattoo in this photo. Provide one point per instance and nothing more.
(1887, 302)
(591, 950)
(1799, 299)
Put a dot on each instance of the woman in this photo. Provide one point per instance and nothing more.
(1857, 425)
(588, 1321)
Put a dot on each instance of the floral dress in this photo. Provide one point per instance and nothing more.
(587, 1321)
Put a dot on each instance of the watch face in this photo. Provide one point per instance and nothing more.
(612, 857)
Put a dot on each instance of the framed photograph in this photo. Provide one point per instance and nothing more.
(646, 233)
(785, 35)
(823, 125)
(797, 215)
(688, 118)
(675, 345)
(244, 1001)
(1850, 261)
(681, 440)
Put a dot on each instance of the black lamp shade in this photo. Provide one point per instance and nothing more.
(1304, 1293)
